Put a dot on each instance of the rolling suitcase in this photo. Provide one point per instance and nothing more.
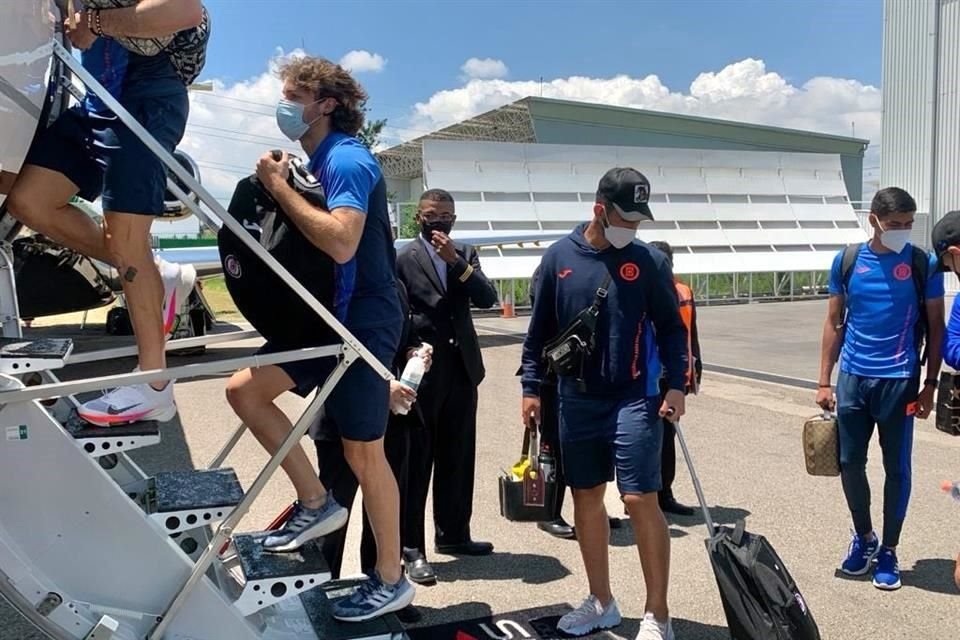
(760, 599)
(948, 403)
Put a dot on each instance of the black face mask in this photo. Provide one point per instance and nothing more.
(427, 228)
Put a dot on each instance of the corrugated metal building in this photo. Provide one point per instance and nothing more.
(552, 121)
(920, 150)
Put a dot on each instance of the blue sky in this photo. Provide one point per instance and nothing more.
(425, 43)
(804, 64)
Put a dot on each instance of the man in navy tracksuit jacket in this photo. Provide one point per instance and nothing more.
(612, 419)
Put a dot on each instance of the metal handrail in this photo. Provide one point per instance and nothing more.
(173, 345)
(56, 390)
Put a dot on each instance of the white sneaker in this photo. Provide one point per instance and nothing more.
(590, 616)
(650, 629)
(130, 404)
(178, 281)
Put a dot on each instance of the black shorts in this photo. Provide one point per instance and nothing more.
(360, 403)
(102, 157)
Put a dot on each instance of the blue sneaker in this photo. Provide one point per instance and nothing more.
(374, 598)
(887, 574)
(859, 556)
(306, 524)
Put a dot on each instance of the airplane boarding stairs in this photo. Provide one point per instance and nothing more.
(92, 548)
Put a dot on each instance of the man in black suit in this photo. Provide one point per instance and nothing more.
(443, 278)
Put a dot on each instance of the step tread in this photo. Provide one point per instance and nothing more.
(189, 490)
(260, 564)
(318, 607)
(43, 348)
(146, 428)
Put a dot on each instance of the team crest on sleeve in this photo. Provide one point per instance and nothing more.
(232, 266)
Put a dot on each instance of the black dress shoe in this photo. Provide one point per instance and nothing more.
(421, 572)
(418, 569)
(558, 529)
(468, 548)
(615, 523)
(672, 506)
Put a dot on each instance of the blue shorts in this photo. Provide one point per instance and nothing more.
(102, 157)
(360, 403)
(599, 435)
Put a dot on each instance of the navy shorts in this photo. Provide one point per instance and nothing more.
(102, 157)
(360, 403)
(601, 435)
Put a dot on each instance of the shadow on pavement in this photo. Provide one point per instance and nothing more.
(528, 567)
(720, 515)
(932, 574)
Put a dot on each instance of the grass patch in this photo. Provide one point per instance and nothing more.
(215, 291)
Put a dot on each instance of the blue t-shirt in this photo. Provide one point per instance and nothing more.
(880, 338)
(128, 76)
(366, 290)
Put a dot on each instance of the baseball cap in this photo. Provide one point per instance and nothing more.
(628, 191)
(946, 234)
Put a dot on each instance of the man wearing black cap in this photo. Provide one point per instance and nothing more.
(602, 288)
(946, 244)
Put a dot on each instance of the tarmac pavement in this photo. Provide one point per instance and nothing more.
(744, 436)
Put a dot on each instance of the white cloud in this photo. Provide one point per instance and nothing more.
(360, 61)
(743, 91)
(231, 127)
(484, 68)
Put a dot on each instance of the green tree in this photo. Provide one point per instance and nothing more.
(372, 130)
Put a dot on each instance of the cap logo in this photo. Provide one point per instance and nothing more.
(640, 193)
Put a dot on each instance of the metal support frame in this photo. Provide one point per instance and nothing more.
(349, 351)
(9, 310)
(225, 531)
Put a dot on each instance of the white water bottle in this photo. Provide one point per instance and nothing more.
(413, 374)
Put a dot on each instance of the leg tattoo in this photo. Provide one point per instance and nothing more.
(130, 274)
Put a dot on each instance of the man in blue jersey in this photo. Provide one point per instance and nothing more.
(90, 153)
(610, 405)
(883, 298)
(322, 109)
(946, 246)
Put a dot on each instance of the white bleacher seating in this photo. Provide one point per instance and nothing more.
(723, 211)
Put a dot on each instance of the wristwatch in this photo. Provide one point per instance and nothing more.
(930, 382)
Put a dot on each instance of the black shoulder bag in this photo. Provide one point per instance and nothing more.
(567, 354)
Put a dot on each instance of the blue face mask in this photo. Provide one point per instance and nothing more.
(290, 119)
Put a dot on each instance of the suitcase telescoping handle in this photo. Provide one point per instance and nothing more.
(708, 520)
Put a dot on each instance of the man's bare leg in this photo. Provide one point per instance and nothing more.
(39, 200)
(127, 240)
(653, 542)
(381, 499)
(251, 393)
(7, 179)
(593, 535)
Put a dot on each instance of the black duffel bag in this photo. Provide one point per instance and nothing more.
(266, 301)
(52, 279)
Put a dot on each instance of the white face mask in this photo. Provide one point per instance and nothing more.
(894, 239)
(619, 237)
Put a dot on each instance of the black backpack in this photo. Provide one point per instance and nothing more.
(919, 270)
(272, 307)
(760, 599)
